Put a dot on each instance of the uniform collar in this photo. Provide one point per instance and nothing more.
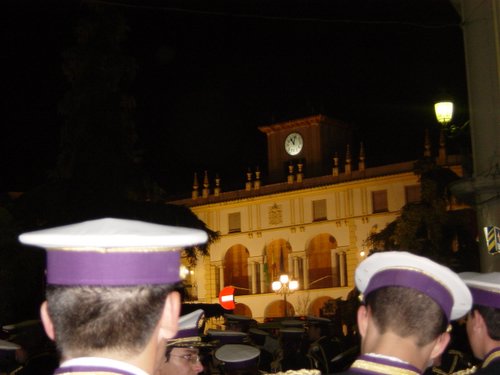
(492, 356)
(376, 364)
(104, 365)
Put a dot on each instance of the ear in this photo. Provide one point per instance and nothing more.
(170, 316)
(362, 320)
(440, 345)
(46, 321)
(477, 321)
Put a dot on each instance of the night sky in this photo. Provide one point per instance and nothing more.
(211, 72)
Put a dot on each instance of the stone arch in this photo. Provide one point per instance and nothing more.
(323, 272)
(242, 309)
(236, 269)
(317, 305)
(276, 309)
(330, 308)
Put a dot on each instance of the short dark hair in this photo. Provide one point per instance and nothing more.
(491, 317)
(407, 312)
(89, 319)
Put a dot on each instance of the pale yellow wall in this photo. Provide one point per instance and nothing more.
(349, 220)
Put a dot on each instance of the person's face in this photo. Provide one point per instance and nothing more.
(181, 361)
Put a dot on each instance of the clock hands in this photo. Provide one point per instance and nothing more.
(293, 143)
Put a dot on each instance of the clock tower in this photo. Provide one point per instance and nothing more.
(312, 141)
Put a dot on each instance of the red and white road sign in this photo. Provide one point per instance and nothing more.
(226, 298)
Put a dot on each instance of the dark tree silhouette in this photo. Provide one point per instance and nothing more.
(98, 173)
(98, 136)
(433, 227)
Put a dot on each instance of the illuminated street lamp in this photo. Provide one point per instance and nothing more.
(285, 286)
(444, 114)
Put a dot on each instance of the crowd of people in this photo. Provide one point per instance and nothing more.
(113, 308)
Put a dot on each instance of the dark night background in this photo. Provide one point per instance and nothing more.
(211, 72)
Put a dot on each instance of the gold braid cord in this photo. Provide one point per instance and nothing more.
(183, 340)
(466, 371)
(381, 368)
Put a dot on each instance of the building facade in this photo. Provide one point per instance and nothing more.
(312, 228)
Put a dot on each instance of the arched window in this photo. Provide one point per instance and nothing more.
(276, 259)
(323, 270)
(236, 269)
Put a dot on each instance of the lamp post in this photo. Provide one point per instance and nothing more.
(444, 115)
(285, 286)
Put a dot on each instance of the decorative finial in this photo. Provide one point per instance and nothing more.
(290, 173)
(206, 186)
(217, 185)
(248, 184)
(300, 175)
(335, 169)
(361, 157)
(348, 160)
(256, 184)
(194, 193)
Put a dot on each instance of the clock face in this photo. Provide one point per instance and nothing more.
(294, 143)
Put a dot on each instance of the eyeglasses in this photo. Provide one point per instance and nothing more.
(191, 358)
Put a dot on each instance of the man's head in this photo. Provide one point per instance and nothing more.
(88, 320)
(410, 299)
(181, 361)
(182, 354)
(483, 322)
(408, 313)
(317, 327)
(112, 285)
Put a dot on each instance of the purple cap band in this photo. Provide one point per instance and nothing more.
(91, 370)
(112, 268)
(240, 365)
(415, 280)
(484, 297)
(188, 332)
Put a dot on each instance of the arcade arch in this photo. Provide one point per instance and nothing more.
(327, 265)
(242, 309)
(236, 269)
(276, 309)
